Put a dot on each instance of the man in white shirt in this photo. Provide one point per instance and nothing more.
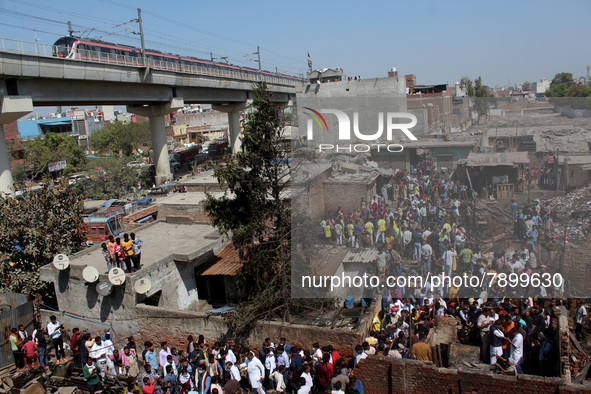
(317, 355)
(406, 238)
(99, 353)
(483, 324)
(496, 341)
(360, 355)
(306, 374)
(234, 371)
(517, 349)
(256, 373)
(55, 333)
(580, 320)
(426, 252)
(163, 354)
(448, 257)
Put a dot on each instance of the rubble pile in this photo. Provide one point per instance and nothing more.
(574, 212)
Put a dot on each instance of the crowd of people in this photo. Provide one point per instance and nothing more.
(423, 223)
(200, 368)
(125, 254)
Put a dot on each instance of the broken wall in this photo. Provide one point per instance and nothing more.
(382, 375)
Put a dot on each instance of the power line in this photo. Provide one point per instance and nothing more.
(29, 29)
(206, 49)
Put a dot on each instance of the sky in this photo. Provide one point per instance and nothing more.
(505, 42)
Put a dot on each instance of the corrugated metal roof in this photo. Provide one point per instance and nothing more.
(497, 159)
(364, 256)
(226, 262)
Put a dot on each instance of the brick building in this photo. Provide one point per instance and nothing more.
(13, 143)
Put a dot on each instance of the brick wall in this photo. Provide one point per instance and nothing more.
(577, 266)
(348, 194)
(195, 213)
(129, 221)
(382, 375)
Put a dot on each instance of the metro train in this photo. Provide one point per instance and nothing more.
(100, 51)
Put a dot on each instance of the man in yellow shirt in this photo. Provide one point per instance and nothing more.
(369, 230)
(381, 230)
(129, 251)
(350, 234)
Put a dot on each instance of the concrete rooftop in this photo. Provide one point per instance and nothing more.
(160, 239)
(206, 177)
(189, 198)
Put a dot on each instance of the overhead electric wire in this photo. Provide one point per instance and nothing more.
(204, 48)
(177, 23)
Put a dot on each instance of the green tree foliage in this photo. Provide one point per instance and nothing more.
(482, 99)
(111, 178)
(53, 147)
(563, 92)
(33, 231)
(121, 138)
(560, 85)
(563, 78)
(466, 84)
(257, 214)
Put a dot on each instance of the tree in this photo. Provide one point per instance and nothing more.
(33, 231)
(560, 78)
(482, 98)
(466, 84)
(121, 138)
(257, 215)
(115, 179)
(560, 85)
(53, 147)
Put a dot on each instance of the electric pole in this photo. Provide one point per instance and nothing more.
(259, 56)
(139, 19)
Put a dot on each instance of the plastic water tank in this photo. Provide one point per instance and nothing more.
(349, 302)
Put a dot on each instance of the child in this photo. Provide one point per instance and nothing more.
(185, 378)
(107, 256)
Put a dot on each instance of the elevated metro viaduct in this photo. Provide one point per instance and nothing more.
(28, 80)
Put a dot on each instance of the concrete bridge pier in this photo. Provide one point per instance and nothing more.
(156, 113)
(233, 111)
(11, 108)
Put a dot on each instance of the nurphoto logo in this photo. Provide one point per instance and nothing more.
(390, 119)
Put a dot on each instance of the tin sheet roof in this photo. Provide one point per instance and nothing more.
(497, 159)
(363, 256)
(226, 262)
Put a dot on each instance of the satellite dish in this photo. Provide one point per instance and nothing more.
(117, 276)
(142, 286)
(104, 288)
(90, 274)
(61, 261)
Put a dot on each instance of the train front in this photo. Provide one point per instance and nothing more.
(64, 47)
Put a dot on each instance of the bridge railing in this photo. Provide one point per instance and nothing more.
(25, 47)
(40, 49)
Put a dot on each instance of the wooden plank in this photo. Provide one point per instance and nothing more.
(498, 237)
(581, 377)
(575, 341)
